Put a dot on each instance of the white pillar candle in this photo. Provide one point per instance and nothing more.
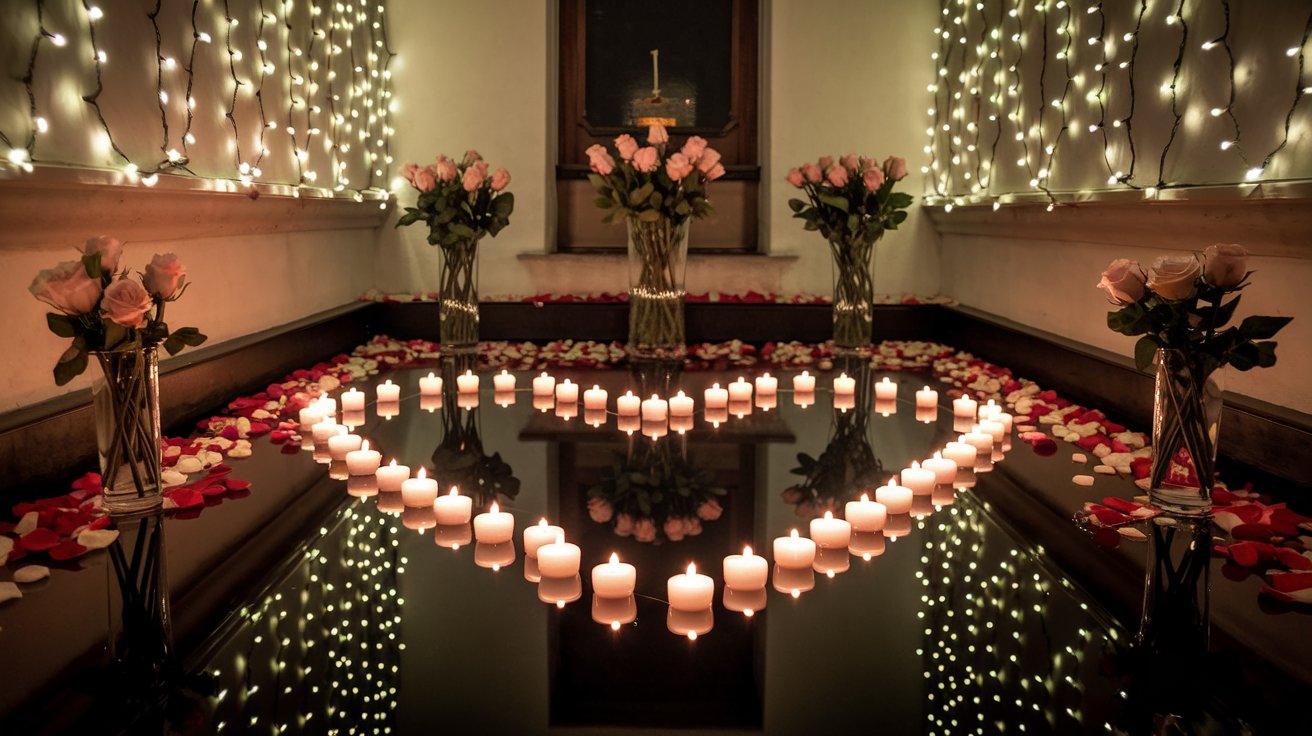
(628, 405)
(964, 407)
(920, 480)
(654, 409)
(503, 381)
(544, 385)
(844, 384)
(794, 551)
(681, 405)
(538, 535)
(419, 491)
(495, 526)
(747, 571)
(453, 509)
(962, 454)
(896, 498)
(804, 383)
(567, 392)
(989, 410)
(430, 384)
(993, 428)
(715, 397)
(391, 476)
(981, 440)
(830, 532)
(926, 398)
(353, 400)
(690, 591)
(595, 398)
(388, 392)
(339, 445)
(324, 430)
(886, 390)
(865, 515)
(614, 579)
(944, 469)
(740, 390)
(559, 559)
(363, 461)
(766, 385)
(467, 382)
(310, 416)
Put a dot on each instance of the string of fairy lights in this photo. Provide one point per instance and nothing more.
(335, 55)
(1040, 79)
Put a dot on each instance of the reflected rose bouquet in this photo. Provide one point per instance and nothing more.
(655, 496)
(1179, 302)
(102, 309)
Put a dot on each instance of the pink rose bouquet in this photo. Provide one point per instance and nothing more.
(655, 496)
(103, 309)
(851, 198)
(459, 201)
(656, 180)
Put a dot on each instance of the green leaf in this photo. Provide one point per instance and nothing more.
(1129, 320)
(1223, 313)
(899, 200)
(61, 324)
(796, 205)
(597, 181)
(649, 216)
(1259, 328)
(503, 204)
(1144, 350)
(91, 262)
(640, 195)
(189, 336)
(71, 364)
(173, 345)
(833, 200)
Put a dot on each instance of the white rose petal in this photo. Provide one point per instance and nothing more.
(99, 538)
(1083, 480)
(31, 573)
(189, 464)
(1130, 532)
(6, 546)
(329, 383)
(9, 592)
(171, 478)
(1104, 470)
(25, 524)
(1079, 457)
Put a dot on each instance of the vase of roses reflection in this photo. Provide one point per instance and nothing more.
(1180, 307)
(460, 203)
(119, 320)
(655, 494)
(657, 192)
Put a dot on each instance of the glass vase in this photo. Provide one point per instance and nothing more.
(125, 400)
(1186, 423)
(658, 261)
(854, 292)
(140, 625)
(458, 297)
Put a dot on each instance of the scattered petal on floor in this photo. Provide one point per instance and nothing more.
(31, 573)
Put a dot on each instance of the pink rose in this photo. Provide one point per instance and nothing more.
(678, 166)
(674, 529)
(824, 162)
(692, 527)
(716, 172)
(710, 510)
(67, 287)
(709, 160)
(795, 177)
(446, 169)
(656, 135)
(626, 146)
(1225, 264)
(624, 525)
(644, 530)
(1123, 281)
(693, 148)
(599, 159)
(1175, 277)
(837, 175)
(473, 178)
(408, 172)
(646, 159)
(600, 510)
(425, 180)
(471, 156)
(873, 179)
(126, 303)
(812, 172)
(851, 163)
(164, 276)
(110, 250)
(895, 168)
(500, 179)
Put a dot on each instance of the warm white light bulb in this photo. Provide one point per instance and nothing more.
(95, 13)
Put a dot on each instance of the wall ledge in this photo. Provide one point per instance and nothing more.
(589, 273)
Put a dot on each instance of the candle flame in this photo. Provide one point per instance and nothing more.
(392, 464)
(654, 397)
(364, 446)
(692, 636)
(829, 515)
(544, 375)
(468, 372)
(793, 534)
(925, 388)
(747, 550)
(543, 523)
(454, 491)
(505, 372)
(430, 375)
(560, 604)
(865, 498)
(422, 473)
(748, 612)
(595, 387)
(495, 508)
(843, 375)
(915, 465)
(866, 557)
(614, 625)
(796, 593)
(692, 568)
(388, 382)
(885, 380)
(715, 386)
(806, 373)
(938, 455)
(614, 558)
(891, 483)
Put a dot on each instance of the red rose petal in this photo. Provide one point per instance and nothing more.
(67, 550)
(1120, 504)
(39, 540)
(1289, 582)
(236, 484)
(185, 497)
(219, 470)
(1255, 532)
(1291, 559)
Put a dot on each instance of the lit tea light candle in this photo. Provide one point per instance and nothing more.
(943, 468)
(430, 384)
(989, 410)
(690, 591)
(715, 397)
(794, 581)
(794, 551)
(747, 571)
(559, 559)
(595, 398)
(452, 536)
(391, 476)
(339, 445)
(494, 526)
(865, 515)
(453, 509)
(740, 390)
(993, 428)
(766, 385)
(503, 381)
(567, 392)
(803, 398)
(886, 390)
(681, 405)
(804, 383)
(828, 532)
(310, 416)
(494, 556)
(388, 392)
(363, 461)
(964, 455)
(844, 384)
(745, 601)
(1006, 420)
(353, 400)
(654, 409)
(467, 382)
(544, 385)
(419, 490)
(567, 410)
(614, 579)
(324, 430)
(927, 398)
(538, 535)
(430, 402)
(544, 402)
(691, 624)
(327, 406)
(595, 417)
(981, 440)
(559, 591)
(614, 612)
(920, 480)
(964, 407)
(831, 561)
(896, 498)
(628, 405)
